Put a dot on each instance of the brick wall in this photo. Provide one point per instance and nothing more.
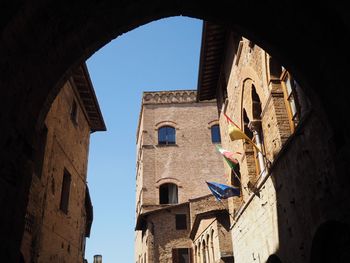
(56, 236)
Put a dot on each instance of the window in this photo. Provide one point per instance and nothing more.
(168, 194)
(181, 222)
(182, 255)
(236, 176)
(212, 245)
(246, 121)
(74, 112)
(166, 135)
(215, 134)
(290, 95)
(65, 191)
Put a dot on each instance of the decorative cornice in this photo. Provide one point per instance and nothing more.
(166, 97)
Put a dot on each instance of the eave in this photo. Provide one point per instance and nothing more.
(83, 85)
(211, 58)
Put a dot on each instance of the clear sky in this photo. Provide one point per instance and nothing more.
(162, 55)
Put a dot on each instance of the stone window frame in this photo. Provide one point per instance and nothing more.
(167, 180)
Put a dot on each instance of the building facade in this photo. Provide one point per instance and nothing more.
(59, 212)
(288, 210)
(176, 154)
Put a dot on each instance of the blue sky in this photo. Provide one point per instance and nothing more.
(162, 55)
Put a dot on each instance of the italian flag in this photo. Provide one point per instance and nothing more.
(228, 156)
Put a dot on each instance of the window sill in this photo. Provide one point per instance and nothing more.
(167, 145)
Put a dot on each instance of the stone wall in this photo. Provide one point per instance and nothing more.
(298, 193)
(56, 236)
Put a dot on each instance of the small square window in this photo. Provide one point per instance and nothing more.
(66, 181)
(215, 134)
(181, 222)
(182, 255)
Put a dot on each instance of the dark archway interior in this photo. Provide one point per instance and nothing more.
(43, 41)
(273, 259)
(331, 243)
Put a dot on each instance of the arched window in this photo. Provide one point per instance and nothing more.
(215, 134)
(207, 250)
(204, 254)
(166, 135)
(257, 131)
(256, 104)
(212, 245)
(168, 194)
(199, 253)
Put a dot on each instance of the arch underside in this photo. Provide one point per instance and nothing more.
(42, 42)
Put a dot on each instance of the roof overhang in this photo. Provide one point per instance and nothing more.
(83, 85)
(205, 215)
(142, 217)
(211, 58)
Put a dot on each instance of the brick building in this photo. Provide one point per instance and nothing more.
(288, 209)
(310, 40)
(176, 154)
(59, 211)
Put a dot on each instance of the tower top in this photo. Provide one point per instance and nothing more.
(173, 96)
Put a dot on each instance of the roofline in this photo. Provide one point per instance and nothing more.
(143, 215)
(213, 45)
(200, 197)
(201, 56)
(81, 81)
(143, 102)
(204, 215)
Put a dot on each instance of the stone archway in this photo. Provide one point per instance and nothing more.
(43, 41)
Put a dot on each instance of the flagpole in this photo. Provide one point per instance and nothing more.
(229, 119)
